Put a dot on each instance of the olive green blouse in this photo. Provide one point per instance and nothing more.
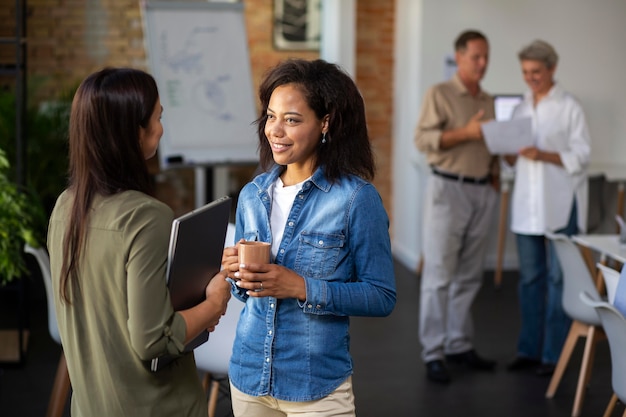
(121, 316)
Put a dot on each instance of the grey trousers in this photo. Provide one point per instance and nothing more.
(457, 218)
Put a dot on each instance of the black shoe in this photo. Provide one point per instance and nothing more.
(522, 363)
(437, 371)
(545, 369)
(471, 360)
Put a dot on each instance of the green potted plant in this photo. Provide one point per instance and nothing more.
(24, 210)
(46, 130)
(22, 220)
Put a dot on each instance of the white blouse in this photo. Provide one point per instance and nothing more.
(282, 200)
(544, 192)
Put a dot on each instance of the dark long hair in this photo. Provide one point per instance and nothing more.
(328, 90)
(106, 158)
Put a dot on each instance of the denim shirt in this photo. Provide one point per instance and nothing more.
(336, 237)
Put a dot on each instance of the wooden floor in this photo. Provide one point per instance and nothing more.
(389, 378)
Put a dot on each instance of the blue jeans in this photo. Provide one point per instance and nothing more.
(544, 323)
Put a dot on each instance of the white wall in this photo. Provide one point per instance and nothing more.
(338, 34)
(588, 35)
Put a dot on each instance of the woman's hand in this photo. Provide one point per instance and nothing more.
(207, 314)
(531, 152)
(218, 294)
(270, 280)
(230, 260)
(536, 154)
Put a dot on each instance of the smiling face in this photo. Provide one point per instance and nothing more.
(538, 76)
(294, 132)
(150, 136)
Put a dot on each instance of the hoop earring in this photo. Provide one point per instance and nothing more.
(324, 137)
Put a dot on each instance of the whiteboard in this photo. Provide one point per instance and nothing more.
(198, 54)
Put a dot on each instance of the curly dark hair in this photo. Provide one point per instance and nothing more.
(328, 90)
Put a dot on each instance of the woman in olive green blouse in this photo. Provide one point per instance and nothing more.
(108, 241)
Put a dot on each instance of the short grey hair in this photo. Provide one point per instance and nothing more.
(539, 51)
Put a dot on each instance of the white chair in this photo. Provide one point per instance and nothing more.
(614, 325)
(61, 387)
(611, 278)
(213, 356)
(585, 321)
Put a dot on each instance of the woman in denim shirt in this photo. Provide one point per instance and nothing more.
(331, 254)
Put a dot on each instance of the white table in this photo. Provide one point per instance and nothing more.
(608, 246)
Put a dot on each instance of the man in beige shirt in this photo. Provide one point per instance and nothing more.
(458, 209)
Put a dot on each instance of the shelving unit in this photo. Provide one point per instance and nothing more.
(13, 342)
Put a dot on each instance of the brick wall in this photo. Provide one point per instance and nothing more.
(68, 39)
(374, 76)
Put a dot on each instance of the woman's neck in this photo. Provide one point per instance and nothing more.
(295, 174)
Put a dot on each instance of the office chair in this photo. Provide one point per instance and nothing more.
(213, 356)
(61, 387)
(614, 325)
(585, 320)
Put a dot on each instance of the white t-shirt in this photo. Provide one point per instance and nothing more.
(543, 192)
(282, 200)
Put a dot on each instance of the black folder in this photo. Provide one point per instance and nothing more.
(194, 257)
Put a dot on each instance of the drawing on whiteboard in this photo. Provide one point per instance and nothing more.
(192, 60)
(210, 96)
(191, 55)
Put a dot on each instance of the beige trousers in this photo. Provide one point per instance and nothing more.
(457, 221)
(339, 403)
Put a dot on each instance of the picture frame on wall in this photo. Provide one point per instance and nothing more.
(297, 25)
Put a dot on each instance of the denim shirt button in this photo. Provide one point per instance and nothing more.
(318, 307)
(282, 251)
(269, 332)
(291, 224)
(267, 359)
(272, 305)
(309, 305)
(300, 196)
(321, 243)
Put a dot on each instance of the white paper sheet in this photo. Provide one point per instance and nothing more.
(508, 137)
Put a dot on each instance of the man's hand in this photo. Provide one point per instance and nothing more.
(470, 132)
(472, 128)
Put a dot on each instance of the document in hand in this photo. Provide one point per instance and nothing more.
(508, 137)
(194, 257)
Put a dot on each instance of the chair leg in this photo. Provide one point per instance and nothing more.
(60, 390)
(585, 370)
(611, 406)
(215, 390)
(566, 353)
(504, 210)
(206, 380)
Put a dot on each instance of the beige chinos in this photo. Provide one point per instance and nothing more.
(457, 219)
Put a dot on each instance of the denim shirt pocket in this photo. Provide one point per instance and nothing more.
(318, 253)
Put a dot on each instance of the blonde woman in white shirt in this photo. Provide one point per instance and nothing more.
(550, 193)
